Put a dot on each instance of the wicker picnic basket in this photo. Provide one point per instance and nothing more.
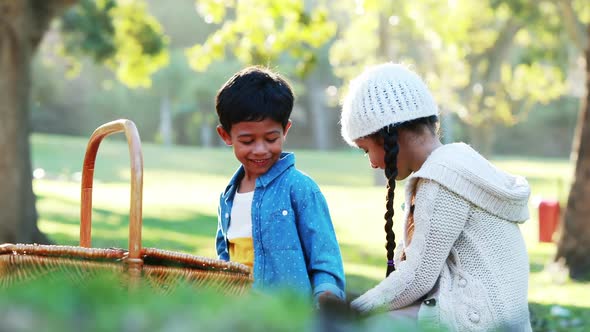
(159, 268)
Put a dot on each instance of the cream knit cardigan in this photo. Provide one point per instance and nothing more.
(467, 264)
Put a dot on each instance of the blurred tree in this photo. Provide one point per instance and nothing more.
(547, 132)
(178, 85)
(178, 81)
(168, 85)
(22, 24)
(119, 34)
(261, 31)
(264, 32)
(122, 35)
(321, 119)
(481, 58)
(573, 246)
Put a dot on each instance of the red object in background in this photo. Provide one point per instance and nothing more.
(548, 219)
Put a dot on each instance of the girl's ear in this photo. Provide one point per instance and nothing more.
(287, 129)
(225, 136)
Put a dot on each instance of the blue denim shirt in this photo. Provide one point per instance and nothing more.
(295, 244)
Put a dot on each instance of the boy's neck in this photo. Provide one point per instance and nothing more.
(247, 184)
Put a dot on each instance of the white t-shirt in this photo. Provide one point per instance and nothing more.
(241, 216)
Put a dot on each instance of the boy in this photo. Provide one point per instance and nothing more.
(271, 216)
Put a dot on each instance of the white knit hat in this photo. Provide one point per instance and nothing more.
(382, 95)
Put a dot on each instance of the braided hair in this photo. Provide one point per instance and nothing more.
(390, 135)
(391, 147)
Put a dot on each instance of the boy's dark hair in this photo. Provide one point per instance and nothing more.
(254, 94)
(391, 146)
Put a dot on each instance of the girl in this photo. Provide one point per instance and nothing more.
(462, 263)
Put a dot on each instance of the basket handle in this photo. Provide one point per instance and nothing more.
(135, 218)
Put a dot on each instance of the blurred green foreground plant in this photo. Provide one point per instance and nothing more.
(101, 304)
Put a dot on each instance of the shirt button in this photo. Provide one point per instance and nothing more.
(226, 215)
(474, 317)
(462, 282)
(430, 302)
(285, 212)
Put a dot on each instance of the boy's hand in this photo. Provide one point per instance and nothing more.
(331, 305)
(326, 297)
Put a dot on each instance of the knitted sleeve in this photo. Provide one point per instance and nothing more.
(439, 217)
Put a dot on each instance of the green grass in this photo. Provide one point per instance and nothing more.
(101, 305)
(182, 184)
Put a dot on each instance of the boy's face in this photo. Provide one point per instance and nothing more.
(257, 144)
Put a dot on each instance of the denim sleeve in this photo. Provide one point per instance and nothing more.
(320, 245)
(220, 243)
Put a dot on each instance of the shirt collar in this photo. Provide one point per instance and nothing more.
(286, 160)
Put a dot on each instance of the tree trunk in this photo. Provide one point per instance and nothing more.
(573, 247)
(447, 124)
(207, 132)
(22, 24)
(166, 120)
(322, 129)
(482, 137)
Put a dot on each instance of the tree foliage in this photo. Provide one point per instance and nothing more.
(482, 59)
(261, 32)
(487, 61)
(123, 35)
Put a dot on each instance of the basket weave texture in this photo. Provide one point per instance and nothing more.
(162, 269)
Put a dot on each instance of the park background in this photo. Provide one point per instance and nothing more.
(509, 77)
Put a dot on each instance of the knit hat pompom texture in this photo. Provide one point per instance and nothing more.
(382, 95)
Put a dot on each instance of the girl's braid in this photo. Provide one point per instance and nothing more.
(391, 147)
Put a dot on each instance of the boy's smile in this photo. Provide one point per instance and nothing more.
(257, 144)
